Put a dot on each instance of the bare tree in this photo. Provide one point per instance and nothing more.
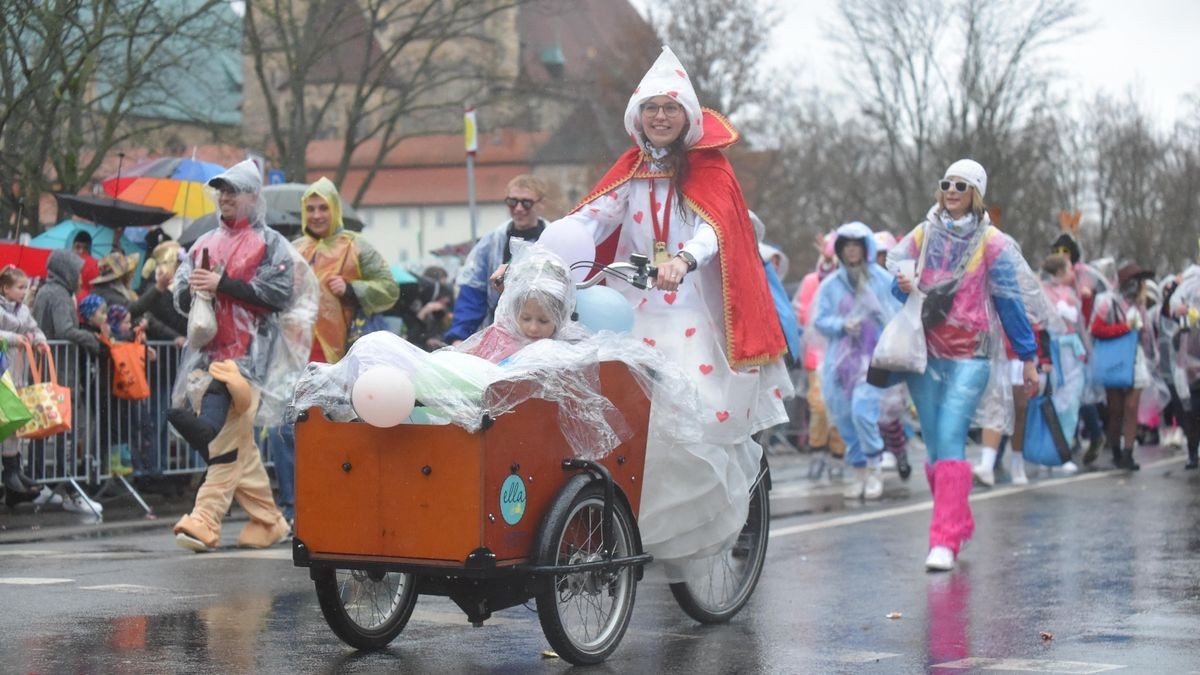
(721, 43)
(939, 79)
(895, 46)
(1180, 182)
(370, 72)
(1129, 160)
(80, 77)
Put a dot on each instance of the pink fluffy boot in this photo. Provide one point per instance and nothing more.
(952, 523)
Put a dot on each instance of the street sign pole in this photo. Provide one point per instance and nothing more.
(472, 145)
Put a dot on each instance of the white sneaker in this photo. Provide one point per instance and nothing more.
(48, 497)
(887, 461)
(1018, 475)
(1175, 438)
(984, 475)
(854, 489)
(940, 559)
(1070, 468)
(81, 504)
(873, 489)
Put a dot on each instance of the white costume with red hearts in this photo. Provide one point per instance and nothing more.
(698, 471)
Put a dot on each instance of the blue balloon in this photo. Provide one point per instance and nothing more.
(603, 308)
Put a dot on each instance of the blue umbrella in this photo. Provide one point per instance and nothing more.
(402, 276)
(63, 234)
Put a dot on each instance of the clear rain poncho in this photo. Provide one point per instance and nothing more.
(453, 384)
(978, 278)
(556, 371)
(265, 305)
(538, 276)
(1185, 303)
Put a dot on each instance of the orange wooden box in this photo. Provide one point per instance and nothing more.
(431, 494)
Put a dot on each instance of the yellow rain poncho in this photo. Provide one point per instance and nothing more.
(370, 287)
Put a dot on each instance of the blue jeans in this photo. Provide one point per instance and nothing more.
(282, 443)
(946, 396)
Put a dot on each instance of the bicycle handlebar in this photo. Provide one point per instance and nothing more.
(639, 265)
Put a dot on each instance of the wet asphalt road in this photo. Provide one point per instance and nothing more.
(1108, 564)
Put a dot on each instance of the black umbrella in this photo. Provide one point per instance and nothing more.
(112, 212)
(285, 223)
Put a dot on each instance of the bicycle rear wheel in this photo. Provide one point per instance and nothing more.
(716, 588)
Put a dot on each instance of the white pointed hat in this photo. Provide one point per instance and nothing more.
(666, 78)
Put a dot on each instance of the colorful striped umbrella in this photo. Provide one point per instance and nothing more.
(186, 198)
(179, 168)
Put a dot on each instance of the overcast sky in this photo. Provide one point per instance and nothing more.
(1152, 46)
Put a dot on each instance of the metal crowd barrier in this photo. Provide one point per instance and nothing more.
(103, 425)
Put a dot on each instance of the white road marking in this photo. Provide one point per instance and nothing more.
(928, 505)
(26, 552)
(33, 581)
(864, 657)
(123, 588)
(1029, 665)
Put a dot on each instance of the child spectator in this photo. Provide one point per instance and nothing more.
(128, 413)
(18, 329)
(94, 312)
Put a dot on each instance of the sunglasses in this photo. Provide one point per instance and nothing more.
(959, 185)
(525, 203)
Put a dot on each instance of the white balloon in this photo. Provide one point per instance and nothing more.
(383, 396)
(572, 242)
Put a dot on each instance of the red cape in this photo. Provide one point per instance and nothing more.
(713, 192)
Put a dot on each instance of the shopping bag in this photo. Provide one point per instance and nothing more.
(13, 413)
(129, 379)
(901, 347)
(1113, 360)
(202, 321)
(48, 402)
(1045, 443)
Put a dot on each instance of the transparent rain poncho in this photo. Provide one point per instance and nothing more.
(862, 296)
(265, 308)
(538, 280)
(976, 281)
(462, 389)
(1185, 303)
(455, 385)
(996, 409)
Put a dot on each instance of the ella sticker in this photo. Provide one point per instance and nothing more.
(512, 499)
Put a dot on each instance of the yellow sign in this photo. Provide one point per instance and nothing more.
(469, 131)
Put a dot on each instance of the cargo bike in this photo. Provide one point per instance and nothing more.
(494, 519)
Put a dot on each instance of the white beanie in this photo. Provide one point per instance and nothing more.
(970, 171)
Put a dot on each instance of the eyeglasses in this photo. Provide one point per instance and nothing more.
(959, 185)
(671, 110)
(525, 203)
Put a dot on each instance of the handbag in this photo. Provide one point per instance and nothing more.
(129, 379)
(940, 298)
(901, 346)
(13, 413)
(1113, 360)
(202, 320)
(1045, 443)
(47, 401)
